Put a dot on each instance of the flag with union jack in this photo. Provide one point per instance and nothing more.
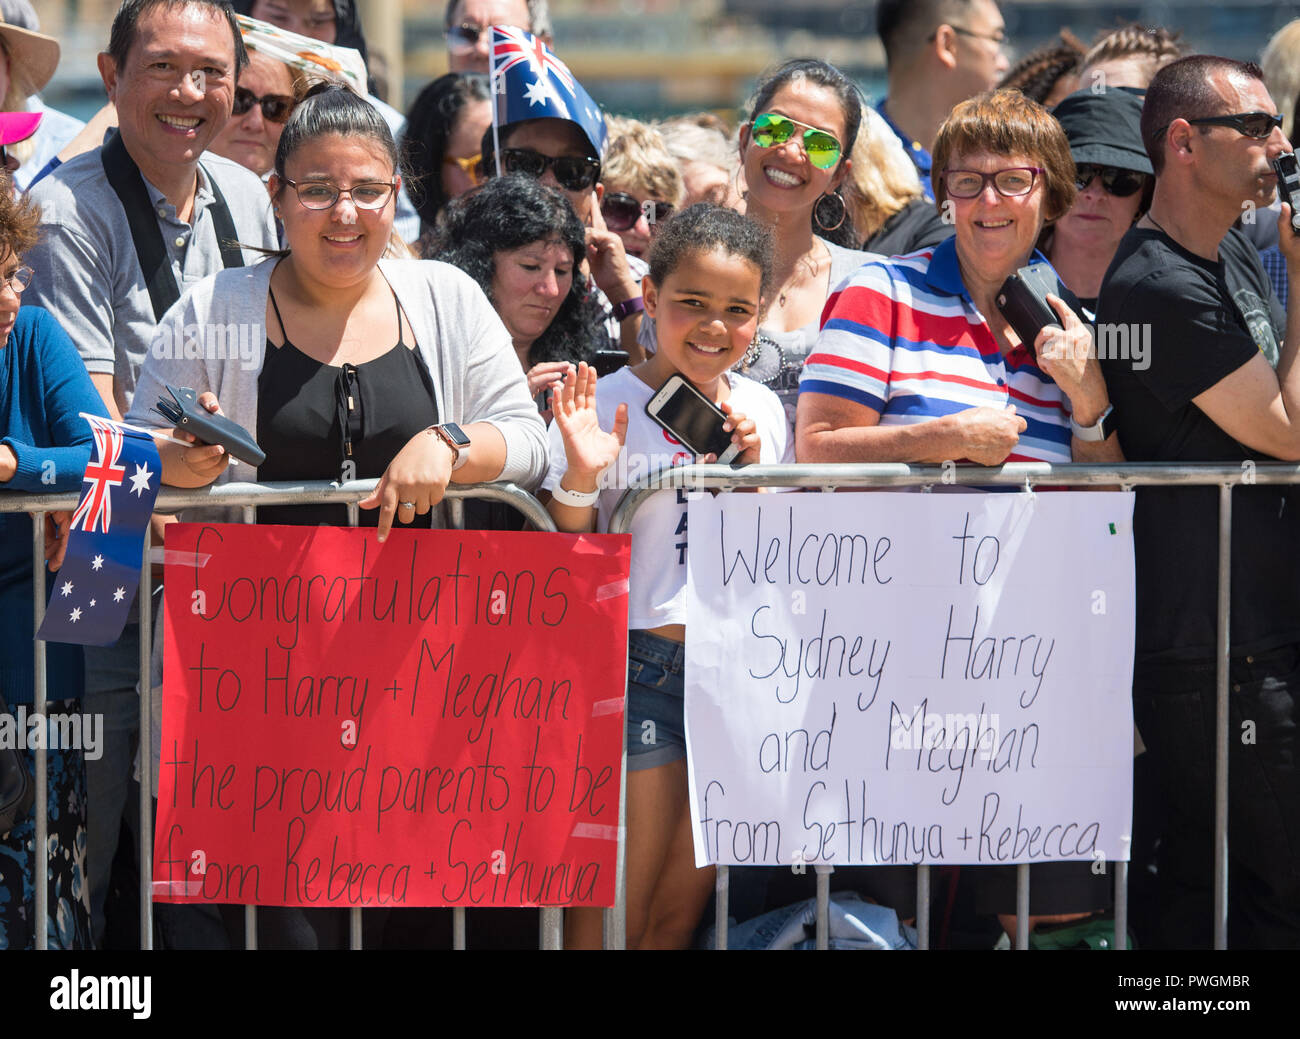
(530, 82)
(96, 585)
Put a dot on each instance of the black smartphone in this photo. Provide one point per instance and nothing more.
(607, 362)
(1288, 185)
(1022, 299)
(692, 419)
(184, 412)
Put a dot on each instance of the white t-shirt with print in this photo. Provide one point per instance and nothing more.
(657, 593)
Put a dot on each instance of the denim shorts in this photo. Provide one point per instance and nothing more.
(656, 688)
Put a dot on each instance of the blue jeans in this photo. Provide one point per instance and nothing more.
(656, 690)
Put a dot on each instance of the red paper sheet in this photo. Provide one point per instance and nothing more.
(432, 721)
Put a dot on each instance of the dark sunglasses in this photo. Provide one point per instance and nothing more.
(276, 108)
(1249, 124)
(1117, 182)
(1258, 125)
(621, 211)
(572, 172)
(821, 147)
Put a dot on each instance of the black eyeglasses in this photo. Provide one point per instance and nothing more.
(321, 194)
(276, 108)
(1258, 125)
(1118, 182)
(572, 172)
(621, 211)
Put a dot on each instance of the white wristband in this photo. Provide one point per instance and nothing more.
(575, 499)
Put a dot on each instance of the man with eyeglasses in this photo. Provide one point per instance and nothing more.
(1217, 381)
(467, 22)
(938, 53)
(126, 228)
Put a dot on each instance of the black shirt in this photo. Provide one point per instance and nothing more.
(1204, 320)
(914, 227)
(323, 422)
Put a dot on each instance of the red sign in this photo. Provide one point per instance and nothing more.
(433, 721)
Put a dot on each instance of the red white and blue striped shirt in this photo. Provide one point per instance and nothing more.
(902, 336)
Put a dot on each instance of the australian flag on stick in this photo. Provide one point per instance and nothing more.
(530, 82)
(96, 585)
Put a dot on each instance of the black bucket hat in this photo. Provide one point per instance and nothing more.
(1105, 129)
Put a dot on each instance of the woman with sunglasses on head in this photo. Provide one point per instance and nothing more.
(444, 142)
(794, 152)
(1114, 180)
(917, 364)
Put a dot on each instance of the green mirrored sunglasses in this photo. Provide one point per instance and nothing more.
(770, 130)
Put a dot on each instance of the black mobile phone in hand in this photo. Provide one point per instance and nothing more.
(185, 412)
(691, 418)
(1022, 299)
(1288, 185)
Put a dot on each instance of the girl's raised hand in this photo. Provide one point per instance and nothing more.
(744, 434)
(588, 449)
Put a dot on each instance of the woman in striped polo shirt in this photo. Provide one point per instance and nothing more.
(915, 363)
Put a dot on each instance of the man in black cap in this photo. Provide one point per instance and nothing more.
(1222, 384)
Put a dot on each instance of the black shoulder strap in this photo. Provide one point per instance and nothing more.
(227, 238)
(125, 179)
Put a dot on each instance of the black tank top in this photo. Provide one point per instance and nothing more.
(322, 422)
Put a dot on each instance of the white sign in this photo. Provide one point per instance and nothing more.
(904, 678)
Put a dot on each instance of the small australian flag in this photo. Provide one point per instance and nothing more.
(530, 82)
(96, 585)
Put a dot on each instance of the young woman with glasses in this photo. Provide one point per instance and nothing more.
(385, 351)
(1114, 184)
(362, 367)
(794, 151)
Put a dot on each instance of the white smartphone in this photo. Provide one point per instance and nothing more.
(692, 418)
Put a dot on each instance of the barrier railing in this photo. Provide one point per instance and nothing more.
(246, 497)
(1021, 475)
(690, 478)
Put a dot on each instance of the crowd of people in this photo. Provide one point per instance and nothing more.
(477, 291)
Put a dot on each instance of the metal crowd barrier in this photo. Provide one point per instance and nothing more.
(1022, 475)
(698, 478)
(246, 496)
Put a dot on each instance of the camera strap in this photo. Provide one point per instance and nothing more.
(126, 180)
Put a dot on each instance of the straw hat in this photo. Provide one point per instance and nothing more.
(36, 54)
